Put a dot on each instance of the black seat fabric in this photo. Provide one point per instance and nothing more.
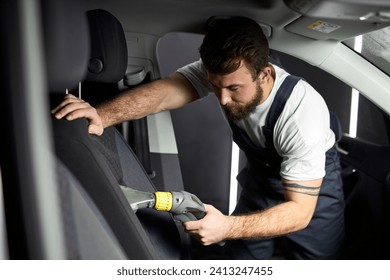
(66, 63)
(128, 171)
(108, 57)
(112, 221)
(103, 163)
(87, 234)
(76, 149)
(109, 46)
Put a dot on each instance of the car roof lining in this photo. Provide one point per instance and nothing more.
(191, 16)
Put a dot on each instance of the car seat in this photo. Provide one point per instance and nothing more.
(86, 231)
(106, 67)
(66, 65)
(103, 163)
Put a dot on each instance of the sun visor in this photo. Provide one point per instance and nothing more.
(338, 19)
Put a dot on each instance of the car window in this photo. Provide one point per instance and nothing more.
(373, 46)
(369, 119)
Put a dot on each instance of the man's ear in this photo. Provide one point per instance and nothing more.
(267, 73)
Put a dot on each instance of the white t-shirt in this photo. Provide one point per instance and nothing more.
(302, 133)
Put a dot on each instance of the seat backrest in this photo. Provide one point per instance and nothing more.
(172, 242)
(78, 151)
(103, 163)
(106, 67)
(66, 66)
(87, 234)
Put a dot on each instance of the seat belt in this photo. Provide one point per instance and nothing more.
(141, 145)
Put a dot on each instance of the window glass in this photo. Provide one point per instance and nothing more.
(375, 47)
(371, 123)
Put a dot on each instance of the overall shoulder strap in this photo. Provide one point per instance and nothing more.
(280, 100)
(277, 106)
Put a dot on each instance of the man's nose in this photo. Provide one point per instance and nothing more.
(224, 97)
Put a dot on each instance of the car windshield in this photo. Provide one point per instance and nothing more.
(375, 47)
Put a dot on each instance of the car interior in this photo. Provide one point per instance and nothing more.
(60, 194)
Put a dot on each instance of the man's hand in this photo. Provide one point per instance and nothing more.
(213, 228)
(74, 108)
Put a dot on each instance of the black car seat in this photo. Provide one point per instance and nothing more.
(65, 22)
(106, 67)
(103, 163)
(87, 233)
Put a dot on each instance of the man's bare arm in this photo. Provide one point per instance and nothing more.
(169, 93)
(290, 216)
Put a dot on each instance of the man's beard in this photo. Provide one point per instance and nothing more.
(235, 112)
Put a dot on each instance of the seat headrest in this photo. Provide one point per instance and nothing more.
(66, 43)
(108, 60)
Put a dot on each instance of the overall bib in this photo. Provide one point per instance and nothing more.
(262, 188)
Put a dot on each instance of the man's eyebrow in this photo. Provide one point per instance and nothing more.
(229, 86)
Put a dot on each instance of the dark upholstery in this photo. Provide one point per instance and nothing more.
(76, 149)
(108, 59)
(66, 43)
(87, 234)
(67, 53)
(102, 163)
(109, 46)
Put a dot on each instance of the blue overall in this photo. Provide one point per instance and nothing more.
(262, 188)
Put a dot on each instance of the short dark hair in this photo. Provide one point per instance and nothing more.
(232, 40)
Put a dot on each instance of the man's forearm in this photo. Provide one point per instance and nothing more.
(275, 221)
(169, 93)
(129, 105)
